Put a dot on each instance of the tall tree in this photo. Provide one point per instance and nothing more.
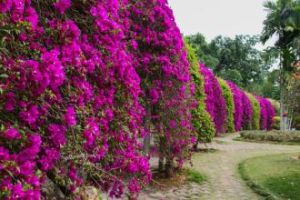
(283, 21)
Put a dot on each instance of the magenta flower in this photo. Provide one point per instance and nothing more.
(51, 156)
(215, 102)
(238, 105)
(57, 134)
(5, 5)
(10, 101)
(31, 115)
(62, 5)
(70, 116)
(11, 134)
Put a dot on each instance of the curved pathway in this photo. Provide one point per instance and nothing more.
(221, 169)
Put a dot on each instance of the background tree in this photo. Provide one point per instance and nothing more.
(283, 22)
(237, 60)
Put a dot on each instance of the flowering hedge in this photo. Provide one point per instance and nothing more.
(226, 91)
(247, 112)
(238, 106)
(161, 60)
(271, 112)
(215, 102)
(202, 122)
(69, 95)
(76, 80)
(255, 125)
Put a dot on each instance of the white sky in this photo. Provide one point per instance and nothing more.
(219, 17)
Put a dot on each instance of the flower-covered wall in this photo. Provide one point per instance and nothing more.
(80, 79)
(215, 102)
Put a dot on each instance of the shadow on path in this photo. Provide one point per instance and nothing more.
(221, 168)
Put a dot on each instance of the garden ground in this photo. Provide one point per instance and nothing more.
(221, 171)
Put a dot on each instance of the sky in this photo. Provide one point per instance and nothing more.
(220, 17)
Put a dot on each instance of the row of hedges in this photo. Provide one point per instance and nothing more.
(82, 81)
(230, 108)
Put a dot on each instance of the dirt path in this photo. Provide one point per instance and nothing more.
(221, 168)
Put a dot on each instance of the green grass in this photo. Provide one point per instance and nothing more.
(273, 176)
(195, 176)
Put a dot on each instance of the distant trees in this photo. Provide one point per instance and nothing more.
(237, 59)
(283, 21)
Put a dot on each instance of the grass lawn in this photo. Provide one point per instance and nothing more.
(273, 176)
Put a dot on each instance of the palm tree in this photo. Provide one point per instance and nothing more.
(283, 21)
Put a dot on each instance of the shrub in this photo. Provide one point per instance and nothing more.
(69, 99)
(229, 105)
(214, 101)
(161, 61)
(247, 112)
(296, 123)
(276, 123)
(267, 112)
(275, 136)
(256, 112)
(263, 113)
(238, 106)
(276, 106)
(201, 119)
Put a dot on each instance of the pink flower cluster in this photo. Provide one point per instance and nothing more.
(247, 112)
(238, 105)
(267, 112)
(72, 90)
(161, 61)
(215, 102)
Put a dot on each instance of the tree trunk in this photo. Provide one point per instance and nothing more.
(282, 111)
(282, 93)
(161, 154)
(195, 146)
(169, 167)
(147, 138)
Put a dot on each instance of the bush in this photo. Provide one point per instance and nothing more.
(276, 123)
(256, 112)
(161, 61)
(276, 106)
(70, 106)
(201, 119)
(296, 123)
(238, 105)
(214, 101)
(247, 112)
(229, 105)
(274, 136)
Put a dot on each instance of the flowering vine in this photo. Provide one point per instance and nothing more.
(215, 102)
(69, 89)
(162, 64)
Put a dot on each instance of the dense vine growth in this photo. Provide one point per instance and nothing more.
(81, 82)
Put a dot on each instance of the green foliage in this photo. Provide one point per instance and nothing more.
(229, 103)
(271, 87)
(201, 118)
(232, 75)
(276, 105)
(273, 176)
(297, 123)
(273, 136)
(237, 59)
(255, 125)
(202, 50)
(276, 123)
(195, 176)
